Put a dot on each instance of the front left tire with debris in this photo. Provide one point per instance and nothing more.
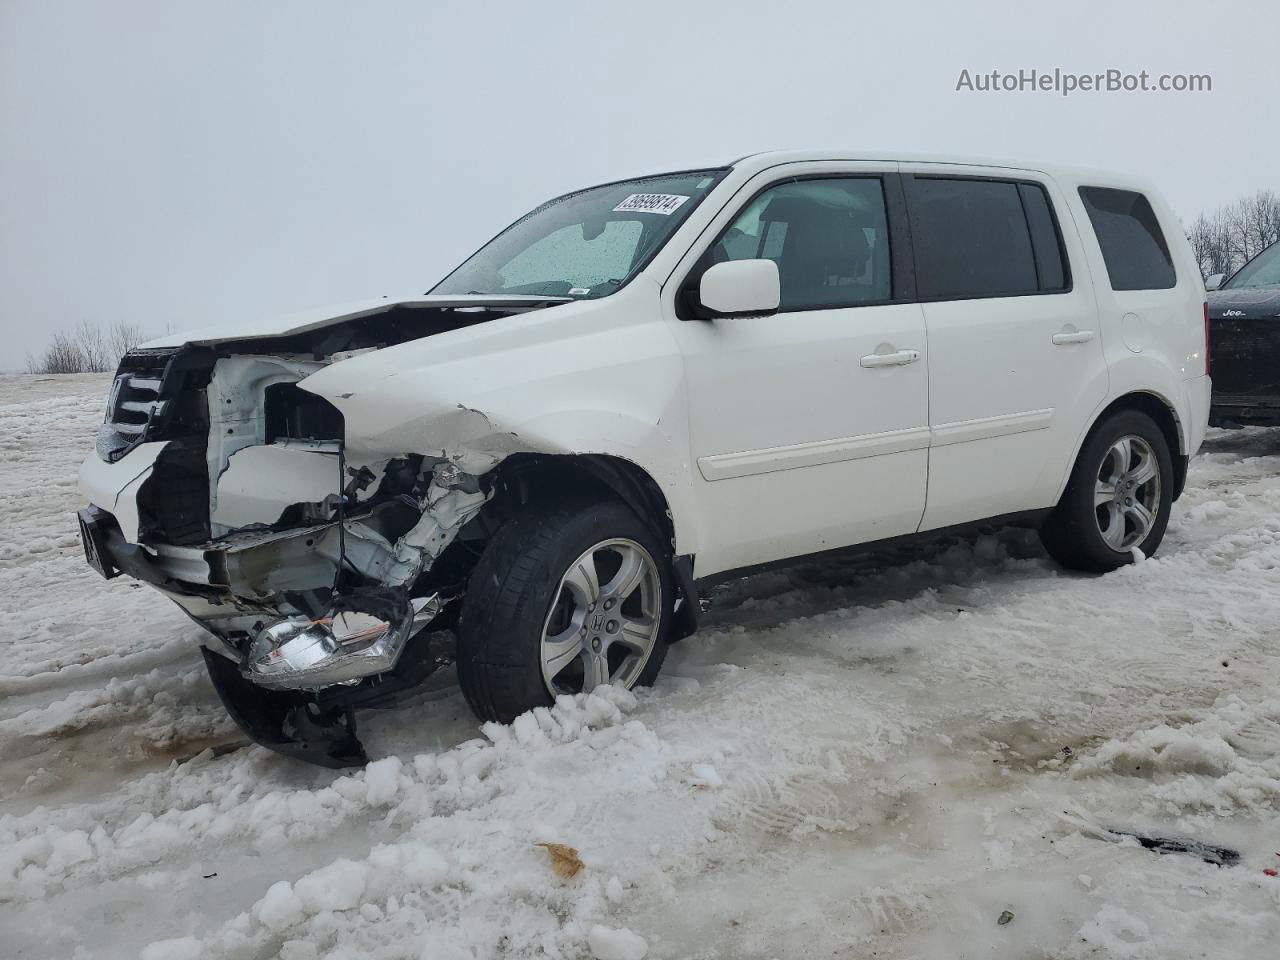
(567, 597)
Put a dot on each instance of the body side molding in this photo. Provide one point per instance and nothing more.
(961, 431)
(727, 466)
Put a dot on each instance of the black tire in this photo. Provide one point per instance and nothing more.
(512, 588)
(1072, 533)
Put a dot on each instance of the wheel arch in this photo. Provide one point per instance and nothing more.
(1165, 415)
(524, 477)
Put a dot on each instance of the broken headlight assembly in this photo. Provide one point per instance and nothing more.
(363, 635)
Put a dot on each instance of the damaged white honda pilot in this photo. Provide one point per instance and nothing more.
(638, 388)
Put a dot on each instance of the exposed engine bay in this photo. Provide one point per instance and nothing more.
(224, 483)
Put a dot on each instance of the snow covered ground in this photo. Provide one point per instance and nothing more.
(877, 758)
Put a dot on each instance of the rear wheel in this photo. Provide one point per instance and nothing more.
(564, 599)
(1118, 498)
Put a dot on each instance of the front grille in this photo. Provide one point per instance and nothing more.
(1246, 356)
(135, 401)
(160, 395)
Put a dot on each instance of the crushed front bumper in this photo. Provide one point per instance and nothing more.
(293, 683)
(234, 590)
(107, 551)
(314, 599)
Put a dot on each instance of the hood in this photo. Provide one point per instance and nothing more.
(319, 317)
(1244, 303)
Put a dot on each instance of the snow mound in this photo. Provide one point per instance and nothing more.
(1228, 759)
(621, 944)
(280, 908)
(338, 886)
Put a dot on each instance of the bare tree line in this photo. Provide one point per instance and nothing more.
(89, 348)
(1225, 239)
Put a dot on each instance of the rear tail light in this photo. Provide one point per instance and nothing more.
(1208, 356)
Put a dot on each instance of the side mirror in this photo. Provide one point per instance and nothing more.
(740, 288)
(1215, 281)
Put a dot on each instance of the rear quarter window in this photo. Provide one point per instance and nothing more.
(1133, 246)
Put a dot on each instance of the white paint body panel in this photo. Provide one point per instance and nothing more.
(259, 479)
(1006, 402)
(596, 376)
(800, 447)
(114, 486)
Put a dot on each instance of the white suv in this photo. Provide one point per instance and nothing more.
(634, 389)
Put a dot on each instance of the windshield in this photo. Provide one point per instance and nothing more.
(583, 245)
(1262, 271)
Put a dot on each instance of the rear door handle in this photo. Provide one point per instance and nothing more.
(1075, 336)
(898, 359)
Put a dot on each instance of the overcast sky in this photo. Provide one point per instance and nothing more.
(183, 164)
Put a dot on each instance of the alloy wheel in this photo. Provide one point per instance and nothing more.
(1126, 493)
(604, 620)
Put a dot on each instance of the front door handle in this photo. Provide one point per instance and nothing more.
(899, 358)
(1072, 336)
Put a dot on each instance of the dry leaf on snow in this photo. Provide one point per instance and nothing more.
(564, 860)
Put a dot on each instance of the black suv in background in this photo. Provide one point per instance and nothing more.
(1244, 337)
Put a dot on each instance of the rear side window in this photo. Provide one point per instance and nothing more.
(971, 239)
(1133, 247)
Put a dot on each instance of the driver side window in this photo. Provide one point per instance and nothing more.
(829, 238)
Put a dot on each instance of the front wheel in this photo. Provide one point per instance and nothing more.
(564, 599)
(1118, 498)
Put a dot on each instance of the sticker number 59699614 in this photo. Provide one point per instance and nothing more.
(663, 203)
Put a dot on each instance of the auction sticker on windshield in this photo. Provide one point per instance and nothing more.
(663, 203)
